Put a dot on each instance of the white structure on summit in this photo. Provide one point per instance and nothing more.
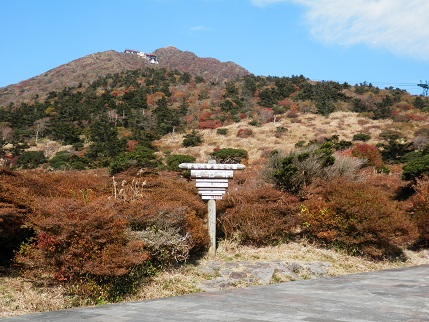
(151, 58)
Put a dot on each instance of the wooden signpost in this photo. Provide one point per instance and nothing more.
(212, 182)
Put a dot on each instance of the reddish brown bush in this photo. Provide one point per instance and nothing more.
(244, 133)
(181, 209)
(12, 230)
(256, 213)
(368, 152)
(420, 211)
(209, 124)
(17, 195)
(75, 239)
(89, 237)
(358, 218)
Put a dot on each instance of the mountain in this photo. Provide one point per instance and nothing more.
(90, 67)
(210, 69)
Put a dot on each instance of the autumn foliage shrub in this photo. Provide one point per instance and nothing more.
(80, 242)
(98, 235)
(256, 213)
(151, 211)
(244, 133)
(12, 231)
(419, 211)
(358, 218)
(370, 153)
(209, 124)
(17, 195)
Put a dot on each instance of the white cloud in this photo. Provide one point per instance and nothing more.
(400, 26)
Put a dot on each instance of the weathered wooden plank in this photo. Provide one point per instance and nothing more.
(204, 197)
(212, 166)
(212, 173)
(206, 184)
(211, 192)
(211, 180)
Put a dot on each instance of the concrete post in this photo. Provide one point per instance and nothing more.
(211, 205)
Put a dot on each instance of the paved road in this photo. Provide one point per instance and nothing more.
(389, 295)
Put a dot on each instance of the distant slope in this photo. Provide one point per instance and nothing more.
(209, 68)
(89, 68)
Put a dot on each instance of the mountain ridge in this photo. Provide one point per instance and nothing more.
(88, 68)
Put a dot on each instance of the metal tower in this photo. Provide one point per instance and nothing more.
(425, 87)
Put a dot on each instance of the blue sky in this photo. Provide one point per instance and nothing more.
(385, 42)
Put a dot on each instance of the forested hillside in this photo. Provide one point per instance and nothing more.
(91, 196)
(116, 113)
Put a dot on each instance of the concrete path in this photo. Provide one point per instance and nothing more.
(389, 295)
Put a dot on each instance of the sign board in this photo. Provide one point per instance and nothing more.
(211, 197)
(212, 173)
(212, 192)
(212, 166)
(211, 188)
(211, 181)
(209, 184)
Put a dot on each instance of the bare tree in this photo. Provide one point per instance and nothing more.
(6, 131)
(40, 127)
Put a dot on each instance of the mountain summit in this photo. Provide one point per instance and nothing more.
(88, 68)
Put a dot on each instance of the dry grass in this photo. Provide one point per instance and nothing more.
(341, 263)
(18, 296)
(309, 127)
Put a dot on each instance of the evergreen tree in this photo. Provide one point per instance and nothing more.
(105, 142)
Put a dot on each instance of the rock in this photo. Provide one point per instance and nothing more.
(231, 274)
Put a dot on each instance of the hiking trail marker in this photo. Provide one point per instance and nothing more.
(211, 180)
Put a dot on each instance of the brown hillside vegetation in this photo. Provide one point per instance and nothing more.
(97, 238)
(87, 69)
(267, 137)
(211, 69)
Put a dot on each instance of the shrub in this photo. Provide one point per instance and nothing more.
(395, 146)
(64, 160)
(358, 218)
(12, 231)
(416, 168)
(147, 206)
(258, 214)
(31, 159)
(280, 130)
(209, 124)
(421, 138)
(244, 133)
(192, 139)
(361, 137)
(142, 157)
(230, 155)
(368, 152)
(419, 211)
(411, 156)
(174, 160)
(78, 241)
(254, 123)
(300, 144)
(300, 167)
(344, 166)
(222, 131)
